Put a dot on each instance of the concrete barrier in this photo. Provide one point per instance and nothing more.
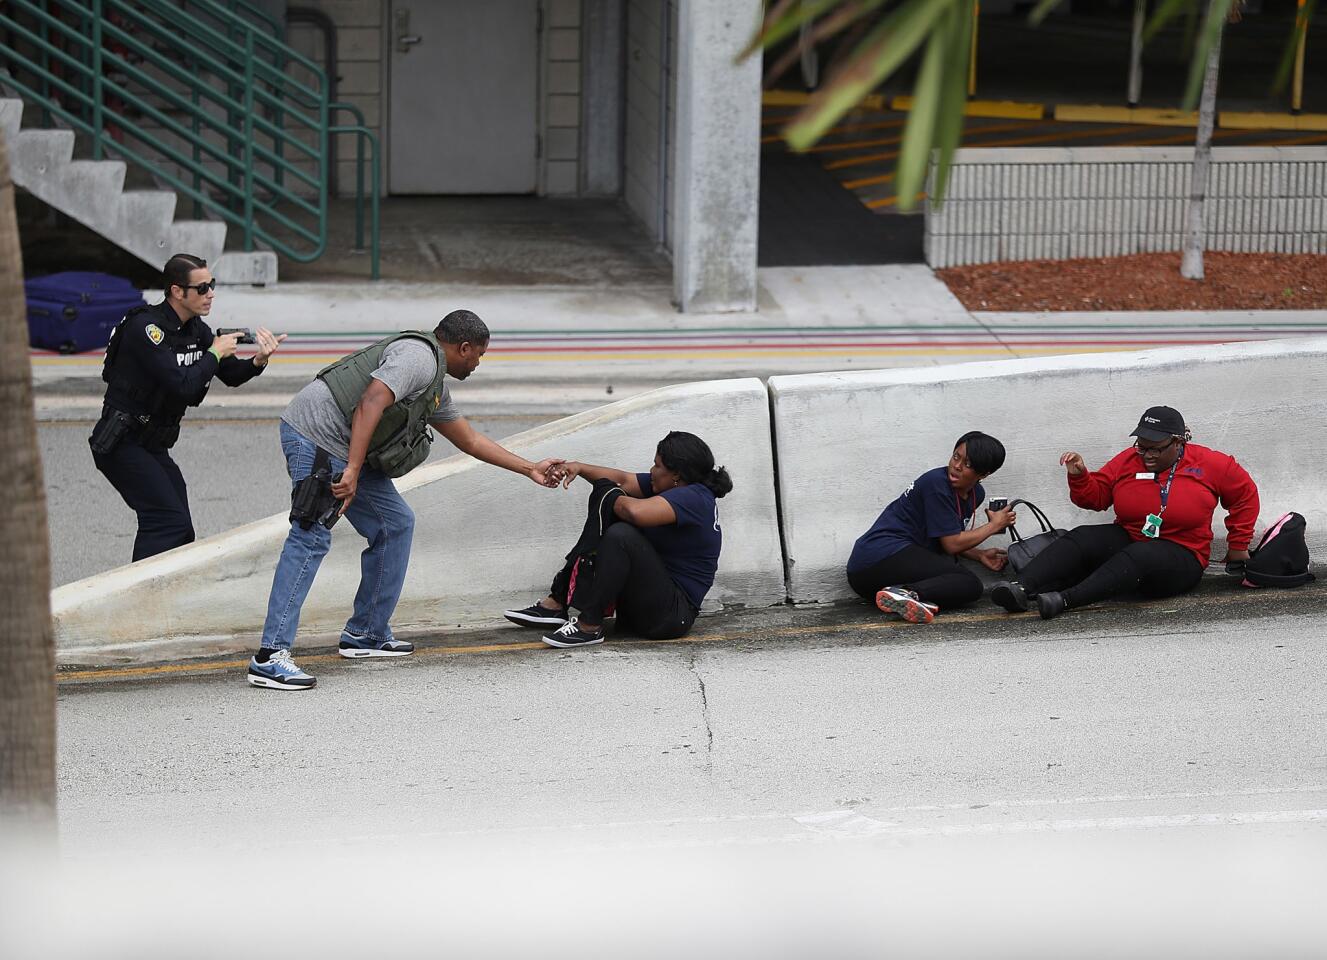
(484, 539)
(848, 443)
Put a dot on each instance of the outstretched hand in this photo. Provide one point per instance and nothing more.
(993, 559)
(546, 472)
(568, 470)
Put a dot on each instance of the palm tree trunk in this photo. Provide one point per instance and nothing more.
(27, 643)
(1191, 267)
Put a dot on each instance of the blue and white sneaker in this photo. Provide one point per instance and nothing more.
(354, 646)
(279, 673)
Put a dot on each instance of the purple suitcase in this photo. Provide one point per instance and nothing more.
(76, 311)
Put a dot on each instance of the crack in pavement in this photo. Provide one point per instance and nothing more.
(704, 714)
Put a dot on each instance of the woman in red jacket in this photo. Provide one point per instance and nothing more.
(1164, 491)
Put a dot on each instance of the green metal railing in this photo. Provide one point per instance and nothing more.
(207, 97)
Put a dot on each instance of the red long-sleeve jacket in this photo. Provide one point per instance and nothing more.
(1202, 477)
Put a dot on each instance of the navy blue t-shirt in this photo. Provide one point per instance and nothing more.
(690, 547)
(929, 509)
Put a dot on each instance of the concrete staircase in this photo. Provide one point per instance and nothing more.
(139, 221)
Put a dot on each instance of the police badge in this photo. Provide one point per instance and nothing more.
(155, 334)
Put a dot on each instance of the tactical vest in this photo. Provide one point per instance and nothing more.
(401, 441)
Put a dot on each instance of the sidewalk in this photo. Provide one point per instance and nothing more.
(573, 347)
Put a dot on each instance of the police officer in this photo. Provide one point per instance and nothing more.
(160, 361)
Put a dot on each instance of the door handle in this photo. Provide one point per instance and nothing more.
(404, 38)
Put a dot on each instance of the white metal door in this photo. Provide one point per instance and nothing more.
(464, 89)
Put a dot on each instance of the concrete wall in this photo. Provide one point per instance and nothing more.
(849, 443)
(1058, 203)
(650, 102)
(485, 539)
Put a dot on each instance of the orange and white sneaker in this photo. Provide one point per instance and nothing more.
(906, 604)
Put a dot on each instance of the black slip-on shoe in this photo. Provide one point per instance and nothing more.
(536, 616)
(1050, 605)
(1010, 595)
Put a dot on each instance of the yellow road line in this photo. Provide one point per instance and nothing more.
(848, 128)
(1148, 116)
(889, 201)
(854, 145)
(986, 108)
(868, 181)
(784, 98)
(1238, 120)
(875, 157)
(799, 98)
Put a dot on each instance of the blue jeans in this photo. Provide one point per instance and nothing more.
(378, 514)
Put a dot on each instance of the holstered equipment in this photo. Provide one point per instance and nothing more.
(113, 427)
(311, 499)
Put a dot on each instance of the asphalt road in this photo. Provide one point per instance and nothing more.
(1210, 705)
(805, 775)
(234, 470)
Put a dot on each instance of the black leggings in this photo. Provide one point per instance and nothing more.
(935, 578)
(629, 572)
(1096, 562)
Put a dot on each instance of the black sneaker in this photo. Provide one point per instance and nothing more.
(571, 635)
(536, 615)
(1010, 595)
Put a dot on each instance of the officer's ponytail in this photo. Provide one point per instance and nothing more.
(690, 457)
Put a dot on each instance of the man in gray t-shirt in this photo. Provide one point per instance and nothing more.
(314, 426)
(407, 370)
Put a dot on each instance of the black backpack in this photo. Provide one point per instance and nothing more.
(1281, 558)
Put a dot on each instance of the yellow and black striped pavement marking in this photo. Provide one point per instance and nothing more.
(862, 149)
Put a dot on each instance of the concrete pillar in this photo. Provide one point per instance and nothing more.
(717, 156)
(603, 26)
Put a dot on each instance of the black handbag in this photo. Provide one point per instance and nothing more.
(1023, 549)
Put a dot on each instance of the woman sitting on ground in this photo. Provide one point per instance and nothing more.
(655, 563)
(1164, 490)
(907, 563)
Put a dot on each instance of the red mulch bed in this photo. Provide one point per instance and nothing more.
(1150, 281)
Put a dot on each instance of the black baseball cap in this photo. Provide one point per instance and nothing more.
(1159, 423)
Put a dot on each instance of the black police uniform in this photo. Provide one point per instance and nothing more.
(157, 367)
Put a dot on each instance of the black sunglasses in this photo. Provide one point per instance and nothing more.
(1161, 449)
(202, 288)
